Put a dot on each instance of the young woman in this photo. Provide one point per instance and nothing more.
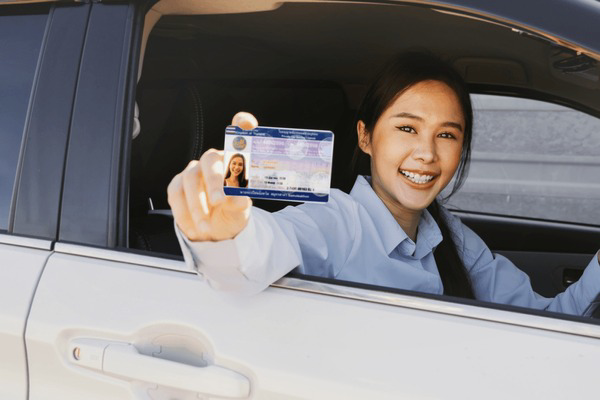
(236, 172)
(415, 125)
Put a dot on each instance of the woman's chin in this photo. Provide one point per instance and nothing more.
(403, 194)
(416, 200)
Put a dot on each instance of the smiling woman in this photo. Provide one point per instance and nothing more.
(236, 171)
(424, 146)
(96, 302)
(415, 124)
(97, 199)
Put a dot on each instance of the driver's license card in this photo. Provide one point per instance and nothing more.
(278, 163)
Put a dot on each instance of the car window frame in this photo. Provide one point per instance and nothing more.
(109, 240)
(44, 145)
(96, 214)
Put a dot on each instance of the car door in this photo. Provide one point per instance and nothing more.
(32, 109)
(160, 333)
(108, 322)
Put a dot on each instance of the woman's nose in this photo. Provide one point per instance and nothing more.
(425, 151)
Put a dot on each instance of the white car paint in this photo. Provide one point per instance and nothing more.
(22, 265)
(290, 344)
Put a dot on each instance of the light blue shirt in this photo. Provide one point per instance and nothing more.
(356, 238)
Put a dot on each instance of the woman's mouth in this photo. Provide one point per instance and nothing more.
(419, 179)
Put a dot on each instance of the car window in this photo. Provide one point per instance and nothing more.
(22, 34)
(532, 159)
(528, 156)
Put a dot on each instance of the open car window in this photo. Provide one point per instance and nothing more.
(532, 159)
(528, 155)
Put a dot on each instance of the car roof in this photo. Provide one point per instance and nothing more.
(572, 22)
(343, 42)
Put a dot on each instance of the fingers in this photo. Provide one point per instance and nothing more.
(178, 203)
(213, 176)
(211, 164)
(238, 203)
(197, 192)
(195, 196)
(244, 120)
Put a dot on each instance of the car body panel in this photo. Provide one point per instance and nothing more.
(22, 263)
(290, 344)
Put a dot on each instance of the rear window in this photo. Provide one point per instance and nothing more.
(21, 35)
(532, 159)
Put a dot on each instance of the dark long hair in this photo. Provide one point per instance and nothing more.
(398, 75)
(242, 181)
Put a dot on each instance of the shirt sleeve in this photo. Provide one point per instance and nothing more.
(496, 279)
(315, 238)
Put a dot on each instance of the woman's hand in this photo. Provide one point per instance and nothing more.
(200, 208)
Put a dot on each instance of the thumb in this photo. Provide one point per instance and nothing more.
(244, 120)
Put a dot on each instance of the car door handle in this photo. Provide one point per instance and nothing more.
(125, 361)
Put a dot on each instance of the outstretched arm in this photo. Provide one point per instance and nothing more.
(242, 249)
(497, 279)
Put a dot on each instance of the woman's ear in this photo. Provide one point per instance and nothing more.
(364, 139)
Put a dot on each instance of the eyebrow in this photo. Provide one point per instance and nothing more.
(449, 124)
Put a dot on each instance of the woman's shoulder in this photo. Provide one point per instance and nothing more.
(470, 243)
(448, 215)
(455, 224)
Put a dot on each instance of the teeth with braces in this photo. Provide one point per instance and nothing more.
(417, 178)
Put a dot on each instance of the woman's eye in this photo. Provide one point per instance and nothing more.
(447, 135)
(406, 128)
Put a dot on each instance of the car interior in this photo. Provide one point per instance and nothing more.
(307, 65)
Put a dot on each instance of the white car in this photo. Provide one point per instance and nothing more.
(97, 302)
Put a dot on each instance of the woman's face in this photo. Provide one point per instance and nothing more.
(415, 146)
(236, 166)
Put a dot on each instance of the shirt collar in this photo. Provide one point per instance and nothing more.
(428, 236)
(389, 231)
